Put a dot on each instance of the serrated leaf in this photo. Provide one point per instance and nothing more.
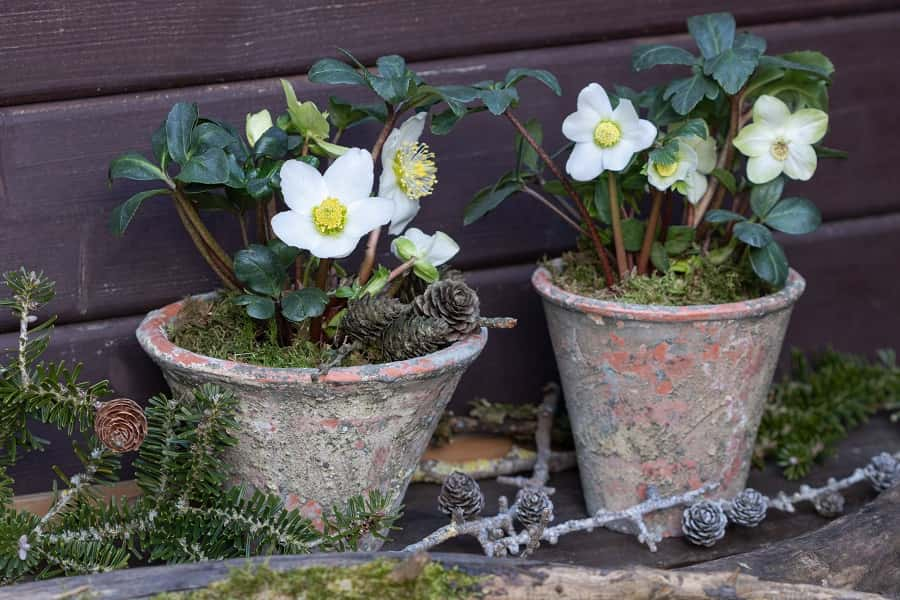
(122, 215)
(685, 94)
(211, 135)
(633, 234)
(823, 70)
(659, 257)
(211, 167)
(646, 57)
(299, 305)
(133, 165)
(764, 196)
(284, 254)
(457, 96)
(526, 156)
(258, 307)
(678, 239)
(748, 40)
(753, 234)
(335, 72)
(260, 270)
(444, 122)
(720, 215)
(497, 101)
(273, 143)
(180, 125)
(770, 264)
(343, 114)
(795, 216)
(546, 77)
(602, 209)
(714, 33)
(733, 68)
(666, 154)
(725, 178)
(158, 142)
(695, 127)
(487, 199)
(392, 65)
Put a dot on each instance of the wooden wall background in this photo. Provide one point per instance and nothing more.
(83, 80)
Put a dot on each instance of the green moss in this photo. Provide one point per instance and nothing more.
(368, 581)
(221, 329)
(702, 283)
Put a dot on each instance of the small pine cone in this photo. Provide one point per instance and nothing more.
(367, 317)
(454, 302)
(461, 493)
(829, 504)
(530, 506)
(121, 425)
(411, 336)
(415, 286)
(883, 471)
(747, 509)
(704, 523)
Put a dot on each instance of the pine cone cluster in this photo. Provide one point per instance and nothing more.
(368, 317)
(453, 302)
(530, 506)
(414, 335)
(704, 523)
(121, 425)
(883, 471)
(829, 504)
(747, 509)
(461, 494)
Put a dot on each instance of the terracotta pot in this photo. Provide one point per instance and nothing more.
(316, 443)
(664, 396)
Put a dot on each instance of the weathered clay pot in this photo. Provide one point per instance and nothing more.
(664, 396)
(316, 443)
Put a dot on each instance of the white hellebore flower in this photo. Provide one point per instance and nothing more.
(433, 249)
(695, 160)
(408, 172)
(329, 213)
(257, 125)
(605, 139)
(780, 142)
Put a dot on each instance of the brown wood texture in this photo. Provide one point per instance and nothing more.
(54, 200)
(78, 48)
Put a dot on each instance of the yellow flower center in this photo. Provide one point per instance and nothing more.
(607, 134)
(780, 150)
(415, 169)
(666, 170)
(330, 217)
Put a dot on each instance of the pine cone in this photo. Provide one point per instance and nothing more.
(747, 509)
(415, 286)
(883, 471)
(121, 425)
(454, 302)
(829, 504)
(366, 318)
(460, 493)
(704, 523)
(530, 506)
(411, 336)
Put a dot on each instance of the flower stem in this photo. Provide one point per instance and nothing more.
(546, 202)
(224, 273)
(400, 270)
(615, 214)
(725, 157)
(650, 233)
(244, 236)
(368, 263)
(570, 190)
(315, 327)
(191, 213)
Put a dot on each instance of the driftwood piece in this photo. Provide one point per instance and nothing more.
(503, 579)
(860, 551)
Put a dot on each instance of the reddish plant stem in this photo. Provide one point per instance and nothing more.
(725, 158)
(400, 270)
(224, 271)
(666, 217)
(315, 326)
(570, 190)
(615, 214)
(650, 233)
(546, 202)
(368, 263)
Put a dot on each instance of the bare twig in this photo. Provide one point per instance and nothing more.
(546, 202)
(541, 472)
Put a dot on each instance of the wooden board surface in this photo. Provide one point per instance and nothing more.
(55, 201)
(63, 49)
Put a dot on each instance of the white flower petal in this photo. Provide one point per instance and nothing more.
(403, 212)
(696, 186)
(765, 168)
(412, 128)
(579, 126)
(336, 246)
(771, 111)
(351, 176)
(366, 214)
(640, 137)
(387, 183)
(585, 162)
(617, 157)
(593, 97)
(706, 152)
(421, 240)
(806, 126)
(302, 186)
(755, 139)
(801, 162)
(297, 229)
(687, 158)
(625, 116)
(443, 248)
(391, 145)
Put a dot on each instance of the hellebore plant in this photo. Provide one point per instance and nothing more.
(310, 199)
(625, 174)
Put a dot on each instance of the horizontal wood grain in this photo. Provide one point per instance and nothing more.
(68, 49)
(54, 199)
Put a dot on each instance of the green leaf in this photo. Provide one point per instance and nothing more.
(273, 143)
(211, 167)
(798, 90)
(158, 141)
(303, 304)
(601, 200)
(487, 199)
(808, 62)
(748, 40)
(444, 122)
(696, 127)
(260, 269)
(331, 149)
(714, 33)
(720, 215)
(659, 257)
(456, 97)
(179, 129)
(210, 135)
(764, 76)
(258, 307)
(825, 152)
(284, 254)
(678, 239)
(633, 234)
(392, 65)
(344, 114)
(726, 178)
(526, 155)
(685, 94)
(733, 68)
(305, 116)
(753, 234)
(770, 264)
(134, 166)
(377, 282)
(426, 271)
(497, 101)
(646, 57)
(794, 215)
(335, 72)
(546, 77)
(211, 201)
(764, 196)
(122, 215)
(666, 154)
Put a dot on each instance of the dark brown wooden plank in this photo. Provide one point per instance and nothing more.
(54, 200)
(55, 50)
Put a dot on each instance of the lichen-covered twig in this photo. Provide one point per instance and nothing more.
(541, 472)
(517, 460)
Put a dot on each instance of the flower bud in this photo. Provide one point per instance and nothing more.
(404, 248)
(257, 125)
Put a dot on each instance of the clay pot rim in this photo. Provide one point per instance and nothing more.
(542, 281)
(151, 335)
